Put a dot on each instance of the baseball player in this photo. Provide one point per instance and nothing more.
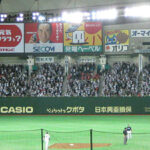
(46, 139)
(129, 132)
(125, 135)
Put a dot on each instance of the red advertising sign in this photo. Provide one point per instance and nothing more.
(92, 27)
(32, 30)
(43, 37)
(11, 38)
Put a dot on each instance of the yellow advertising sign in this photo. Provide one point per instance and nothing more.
(84, 34)
(113, 37)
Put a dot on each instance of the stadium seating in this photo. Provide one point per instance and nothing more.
(85, 80)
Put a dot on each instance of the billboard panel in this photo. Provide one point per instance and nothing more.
(43, 37)
(116, 41)
(84, 37)
(12, 38)
(74, 105)
(140, 33)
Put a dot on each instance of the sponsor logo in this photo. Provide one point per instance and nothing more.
(7, 49)
(147, 109)
(16, 110)
(116, 48)
(45, 49)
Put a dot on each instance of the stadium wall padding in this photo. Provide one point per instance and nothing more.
(75, 105)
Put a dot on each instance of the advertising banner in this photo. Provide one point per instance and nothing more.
(44, 59)
(43, 37)
(140, 33)
(12, 38)
(76, 105)
(116, 41)
(84, 37)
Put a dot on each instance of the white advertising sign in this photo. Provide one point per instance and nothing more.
(140, 33)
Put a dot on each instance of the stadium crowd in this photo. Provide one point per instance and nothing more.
(145, 81)
(47, 81)
(13, 80)
(82, 80)
(121, 79)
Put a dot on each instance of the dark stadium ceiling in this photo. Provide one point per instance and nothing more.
(8, 6)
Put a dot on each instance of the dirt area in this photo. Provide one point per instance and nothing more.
(77, 145)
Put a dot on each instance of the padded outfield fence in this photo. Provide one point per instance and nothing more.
(87, 139)
(74, 105)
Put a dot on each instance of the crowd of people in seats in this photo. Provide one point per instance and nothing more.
(47, 80)
(13, 80)
(144, 88)
(83, 81)
(121, 80)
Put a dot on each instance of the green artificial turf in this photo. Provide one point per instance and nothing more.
(24, 132)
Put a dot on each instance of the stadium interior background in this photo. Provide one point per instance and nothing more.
(91, 74)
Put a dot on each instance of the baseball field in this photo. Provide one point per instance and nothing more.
(74, 132)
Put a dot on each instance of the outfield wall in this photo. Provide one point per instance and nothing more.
(75, 105)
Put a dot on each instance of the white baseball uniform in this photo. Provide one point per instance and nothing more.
(129, 132)
(46, 139)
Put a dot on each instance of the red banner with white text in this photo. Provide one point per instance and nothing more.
(12, 38)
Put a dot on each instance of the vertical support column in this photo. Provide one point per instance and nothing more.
(41, 139)
(140, 63)
(102, 61)
(66, 65)
(91, 139)
(30, 61)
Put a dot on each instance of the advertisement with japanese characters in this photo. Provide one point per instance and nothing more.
(11, 38)
(116, 41)
(140, 33)
(43, 37)
(84, 37)
(74, 105)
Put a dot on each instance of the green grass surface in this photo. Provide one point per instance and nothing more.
(73, 129)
